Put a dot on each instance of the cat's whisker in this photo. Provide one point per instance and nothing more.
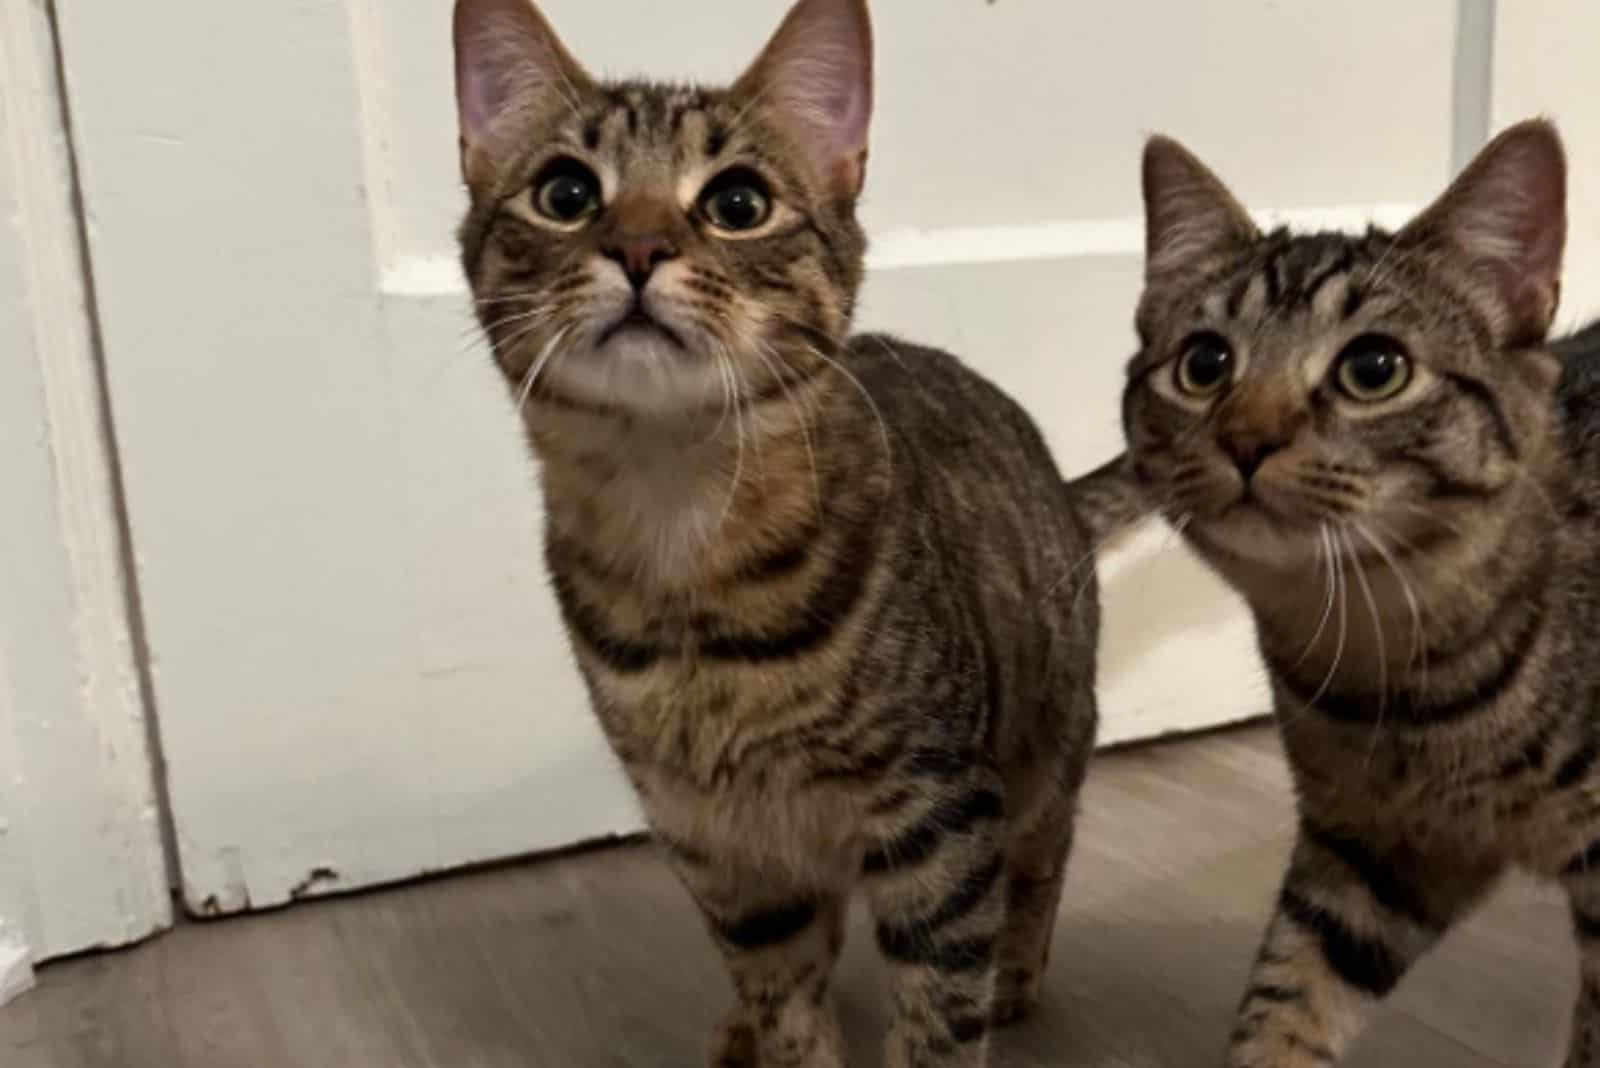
(1094, 552)
(727, 400)
(877, 413)
(1324, 563)
(522, 297)
(1377, 636)
(1340, 595)
(1419, 643)
(775, 366)
(738, 424)
(538, 365)
(749, 410)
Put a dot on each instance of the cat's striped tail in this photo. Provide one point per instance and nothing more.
(1109, 499)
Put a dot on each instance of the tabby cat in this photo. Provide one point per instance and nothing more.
(1370, 438)
(814, 582)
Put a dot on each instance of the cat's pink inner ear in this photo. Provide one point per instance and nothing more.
(508, 62)
(1189, 213)
(1507, 214)
(815, 77)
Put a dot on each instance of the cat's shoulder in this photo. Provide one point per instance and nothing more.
(888, 357)
(1582, 349)
(1580, 387)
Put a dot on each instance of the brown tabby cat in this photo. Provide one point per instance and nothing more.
(1371, 440)
(813, 582)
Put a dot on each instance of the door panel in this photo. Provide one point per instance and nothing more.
(359, 667)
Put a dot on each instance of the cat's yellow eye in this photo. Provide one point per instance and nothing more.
(1206, 365)
(1373, 368)
(737, 199)
(567, 192)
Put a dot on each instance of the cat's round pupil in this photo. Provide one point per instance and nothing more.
(738, 207)
(1373, 368)
(1372, 371)
(1206, 363)
(567, 196)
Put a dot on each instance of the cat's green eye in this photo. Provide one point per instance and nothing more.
(1373, 368)
(567, 192)
(736, 200)
(1206, 365)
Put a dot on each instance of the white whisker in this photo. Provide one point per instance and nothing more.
(538, 366)
(775, 365)
(1377, 628)
(738, 423)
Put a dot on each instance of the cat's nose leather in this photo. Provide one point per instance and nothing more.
(1250, 451)
(640, 256)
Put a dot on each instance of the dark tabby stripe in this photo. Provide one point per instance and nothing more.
(1414, 709)
(1364, 963)
(1576, 767)
(1585, 863)
(1486, 397)
(908, 946)
(768, 927)
(784, 560)
(1340, 266)
(1386, 885)
(830, 605)
(917, 844)
(625, 656)
(1278, 995)
(966, 1029)
(1588, 925)
(966, 896)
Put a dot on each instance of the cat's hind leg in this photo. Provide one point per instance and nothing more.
(1035, 869)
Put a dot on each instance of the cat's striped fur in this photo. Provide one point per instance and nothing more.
(1424, 567)
(824, 592)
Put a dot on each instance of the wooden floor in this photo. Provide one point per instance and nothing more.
(599, 959)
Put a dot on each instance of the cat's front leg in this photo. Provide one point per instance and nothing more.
(937, 891)
(780, 943)
(1583, 889)
(1349, 924)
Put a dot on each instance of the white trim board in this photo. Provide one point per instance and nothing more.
(900, 249)
(81, 860)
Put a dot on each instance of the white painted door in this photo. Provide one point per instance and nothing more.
(357, 664)
(80, 848)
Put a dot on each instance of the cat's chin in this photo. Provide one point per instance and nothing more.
(644, 371)
(1248, 536)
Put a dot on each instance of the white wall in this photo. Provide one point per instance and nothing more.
(80, 854)
(1547, 62)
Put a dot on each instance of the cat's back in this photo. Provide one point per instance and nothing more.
(951, 415)
(975, 475)
(1580, 399)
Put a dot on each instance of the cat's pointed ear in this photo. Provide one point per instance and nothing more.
(1506, 216)
(815, 78)
(509, 64)
(1189, 213)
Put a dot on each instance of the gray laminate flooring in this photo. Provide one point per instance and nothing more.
(597, 958)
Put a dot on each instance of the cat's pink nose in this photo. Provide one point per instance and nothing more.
(639, 256)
